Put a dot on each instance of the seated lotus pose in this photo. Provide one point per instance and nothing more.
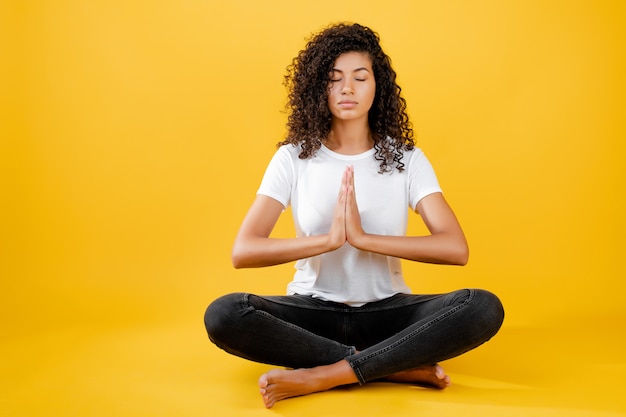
(350, 170)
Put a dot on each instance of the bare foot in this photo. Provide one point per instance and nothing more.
(279, 384)
(429, 376)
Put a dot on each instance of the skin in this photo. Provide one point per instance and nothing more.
(352, 89)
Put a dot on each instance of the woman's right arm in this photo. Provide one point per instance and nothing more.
(254, 248)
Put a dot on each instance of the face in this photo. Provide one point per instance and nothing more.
(352, 86)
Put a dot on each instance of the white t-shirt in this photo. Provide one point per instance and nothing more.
(311, 186)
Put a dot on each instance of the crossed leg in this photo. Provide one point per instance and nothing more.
(443, 326)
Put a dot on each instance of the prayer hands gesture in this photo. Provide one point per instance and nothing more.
(346, 226)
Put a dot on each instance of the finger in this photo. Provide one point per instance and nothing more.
(351, 176)
(344, 179)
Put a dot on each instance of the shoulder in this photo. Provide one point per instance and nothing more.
(413, 158)
(289, 151)
(285, 155)
(414, 152)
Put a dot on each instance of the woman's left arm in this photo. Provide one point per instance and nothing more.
(446, 243)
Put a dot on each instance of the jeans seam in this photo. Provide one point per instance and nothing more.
(358, 361)
(357, 372)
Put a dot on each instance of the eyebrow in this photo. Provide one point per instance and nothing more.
(356, 70)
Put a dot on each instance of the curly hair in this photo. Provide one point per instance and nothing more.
(307, 81)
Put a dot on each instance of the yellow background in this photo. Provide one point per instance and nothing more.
(134, 135)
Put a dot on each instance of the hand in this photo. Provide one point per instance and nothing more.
(354, 229)
(337, 233)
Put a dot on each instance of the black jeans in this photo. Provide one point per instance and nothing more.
(399, 333)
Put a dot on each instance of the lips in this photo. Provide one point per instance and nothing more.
(347, 103)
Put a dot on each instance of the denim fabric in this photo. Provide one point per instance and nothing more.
(378, 339)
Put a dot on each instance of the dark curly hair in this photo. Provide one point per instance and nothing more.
(307, 80)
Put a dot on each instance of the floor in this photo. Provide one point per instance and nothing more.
(173, 370)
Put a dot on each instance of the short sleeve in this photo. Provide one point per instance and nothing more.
(422, 178)
(278, 179)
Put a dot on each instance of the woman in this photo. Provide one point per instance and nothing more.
(349, 169)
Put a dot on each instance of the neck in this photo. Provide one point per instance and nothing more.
(349, 137)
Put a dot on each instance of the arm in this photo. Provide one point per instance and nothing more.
(446, 243)
(254, 248)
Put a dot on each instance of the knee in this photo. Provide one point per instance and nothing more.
(490, 308)
(220, 316)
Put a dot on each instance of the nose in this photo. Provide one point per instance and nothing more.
(346, 86)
